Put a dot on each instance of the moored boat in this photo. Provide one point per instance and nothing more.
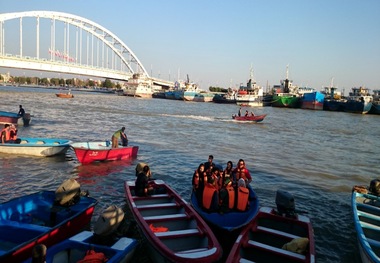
(358, 101)
(36, 146)
(104, 244)
(232, 220)
(375, 103)
(88, 152)
(255, 118)
(366, 213)
(275, 236)
(204, 97)
(15, 119)
(141, 86)
(251, 95)
(312, 100)
(286, 95)
(229, 97)
(175, 232)
(45, 217)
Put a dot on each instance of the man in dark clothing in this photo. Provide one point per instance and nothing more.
(142, 187)
(21, 112)
(209, 164)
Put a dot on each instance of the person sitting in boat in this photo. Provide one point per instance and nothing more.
(242, 195)
(252, 114)
(21, 111)
(209, 164)
(199, 180)
(142, 187)
(227, 191)
(242, 172)
(210, 197)
(13, 134)
(117, 135)
(246, 113)
(6, 134)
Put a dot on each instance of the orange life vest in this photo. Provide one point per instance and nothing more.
(13, 131)
(231, 197)
(242, 198)
(93, 257)
(7, 134)
(210, 193)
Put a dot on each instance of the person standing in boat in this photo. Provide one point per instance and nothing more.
(117, 135)
(21, 111)
(239, 113)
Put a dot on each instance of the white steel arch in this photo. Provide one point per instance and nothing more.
(124, 53)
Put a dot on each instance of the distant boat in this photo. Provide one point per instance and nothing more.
(15, 119)
(88, 152)
(333, 99)
(275, 236)
(286, 95)
(39, 219)
(375, 103)
(358, 101)
(251, 95)
(65, 95)
(140, 86)
(255, 118)
(36, 147)
(174, 231)
(204, 97)
(225, 98)
(366, 214)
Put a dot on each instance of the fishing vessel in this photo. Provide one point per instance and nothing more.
(286, 95)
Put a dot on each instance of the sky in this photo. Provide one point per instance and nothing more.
(216, 42)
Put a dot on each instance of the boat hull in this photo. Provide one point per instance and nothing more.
(34, 219)
(74, 249)
(313, 100)
(256, 118)
(375, 108)
(262, 240)
(185, 237)
(42, 147)
(333, 105)
(64, 95)
(88, 152)
(14, 118)
(353, 106)
(366, 213)
(286, 101)
(230, 221)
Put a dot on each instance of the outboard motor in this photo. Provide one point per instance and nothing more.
(285, 204)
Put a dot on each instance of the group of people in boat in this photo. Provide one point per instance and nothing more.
(222, 190)
(9, 134)
(247, 114)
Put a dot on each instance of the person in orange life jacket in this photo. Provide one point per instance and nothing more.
(210, 196)
(209, 164)
(242, 172)
(6, 134)
(142, 187)
(227, 191)
(13, 134)
(199, 181)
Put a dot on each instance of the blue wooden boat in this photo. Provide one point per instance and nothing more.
(366, 213)
(75, 249)
(36, 147)
(39, 219)
(232, 220)
(14, 118)
(358, 101)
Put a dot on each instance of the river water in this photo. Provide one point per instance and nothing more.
(315, 155)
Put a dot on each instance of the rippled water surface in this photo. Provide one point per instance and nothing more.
(315, 155)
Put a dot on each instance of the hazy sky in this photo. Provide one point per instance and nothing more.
(215, 42)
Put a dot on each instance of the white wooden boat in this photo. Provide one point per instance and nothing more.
(366, 213)
(36, 147)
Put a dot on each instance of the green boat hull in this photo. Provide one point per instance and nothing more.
(286, 101)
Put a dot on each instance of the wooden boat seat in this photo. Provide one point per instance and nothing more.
(163, 205)
(276, 249)
(368, 206)
(373, 242)
(369, 215)
(184, 232)
(173, 216)
(151, 196)
(370, 226)
(277, 232)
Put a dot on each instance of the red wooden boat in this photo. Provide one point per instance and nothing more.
(64, 95)
(255, 118)
(88, 152)
(175, 232)
(274, 236)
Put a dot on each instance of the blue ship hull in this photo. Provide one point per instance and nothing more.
(357, 107)
(313, 101)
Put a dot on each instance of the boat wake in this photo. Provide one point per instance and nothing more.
(195, 117)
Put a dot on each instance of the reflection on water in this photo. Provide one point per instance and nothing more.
(315, 155)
